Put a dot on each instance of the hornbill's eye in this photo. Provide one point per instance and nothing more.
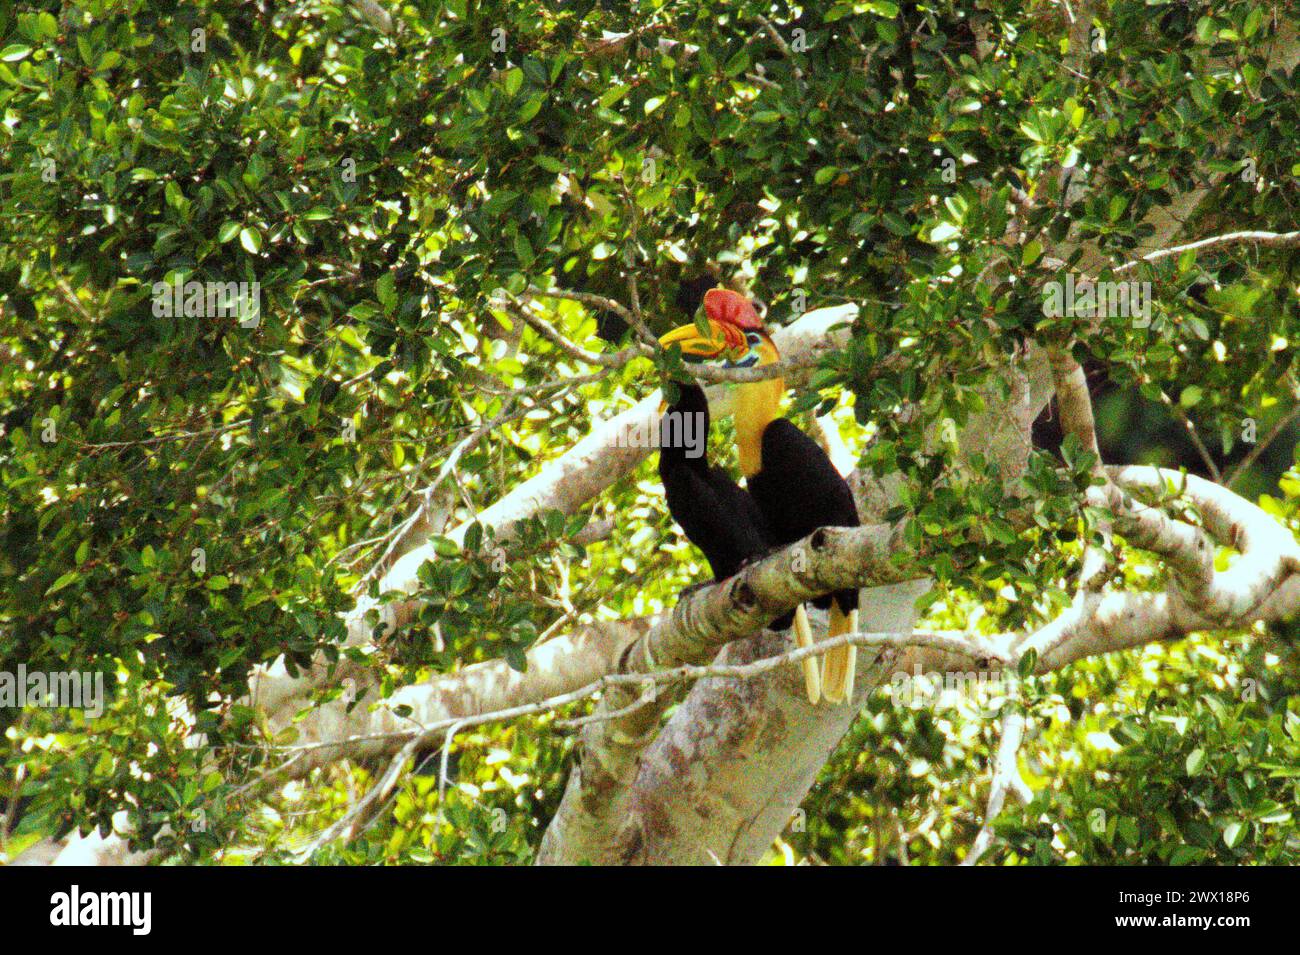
(752, 356)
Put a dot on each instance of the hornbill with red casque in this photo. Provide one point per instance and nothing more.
(788, 476)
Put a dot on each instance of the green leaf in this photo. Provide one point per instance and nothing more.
(445, 546)
(1186, 855)
(702, 325)
(386, 291)
(530, 108)
(1028, 662)
(1128, 830)
(63, 581)
(14, 52)
(251, 240)
(515, 657)
(512, 80)
(613, 95)
(474, 537)
(175, 198)
(523, 251)
(1253, 21)
(1195, 762)
(1233, 833)
(896, 224)
(47, 28)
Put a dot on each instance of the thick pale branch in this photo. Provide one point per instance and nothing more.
(1074, 405)
(1073, 402)
(1268, 551)
(572, 665)
(1006, 779)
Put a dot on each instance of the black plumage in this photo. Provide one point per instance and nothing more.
(798, 490)
(717, 515)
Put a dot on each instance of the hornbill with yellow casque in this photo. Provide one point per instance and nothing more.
(789, 478)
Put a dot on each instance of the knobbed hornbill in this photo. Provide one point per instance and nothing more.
(789, 477)
(717, 515)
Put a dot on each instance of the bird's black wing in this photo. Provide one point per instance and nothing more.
(798, 490)
(717, 515)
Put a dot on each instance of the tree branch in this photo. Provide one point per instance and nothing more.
(1006, 779)
(1273, 240)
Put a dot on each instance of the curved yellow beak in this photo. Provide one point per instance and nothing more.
(696, 345)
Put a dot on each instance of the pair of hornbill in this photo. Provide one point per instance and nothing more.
(791, 487)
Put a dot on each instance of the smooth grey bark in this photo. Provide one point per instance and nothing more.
(728, 771)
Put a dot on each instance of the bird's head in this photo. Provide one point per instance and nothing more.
(731, 329)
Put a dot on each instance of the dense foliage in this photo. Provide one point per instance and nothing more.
(185, 497)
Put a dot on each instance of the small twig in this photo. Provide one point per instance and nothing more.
(1244, 465)
(633, 290)
(178, 436)
(354, 819)
(1269, 239)
(1177, 411)
(71, 298)
(442, 763)
(427, 493)
(784, 47)
(762, 81)
(646, 698)
(586, 298)
(616, 359)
